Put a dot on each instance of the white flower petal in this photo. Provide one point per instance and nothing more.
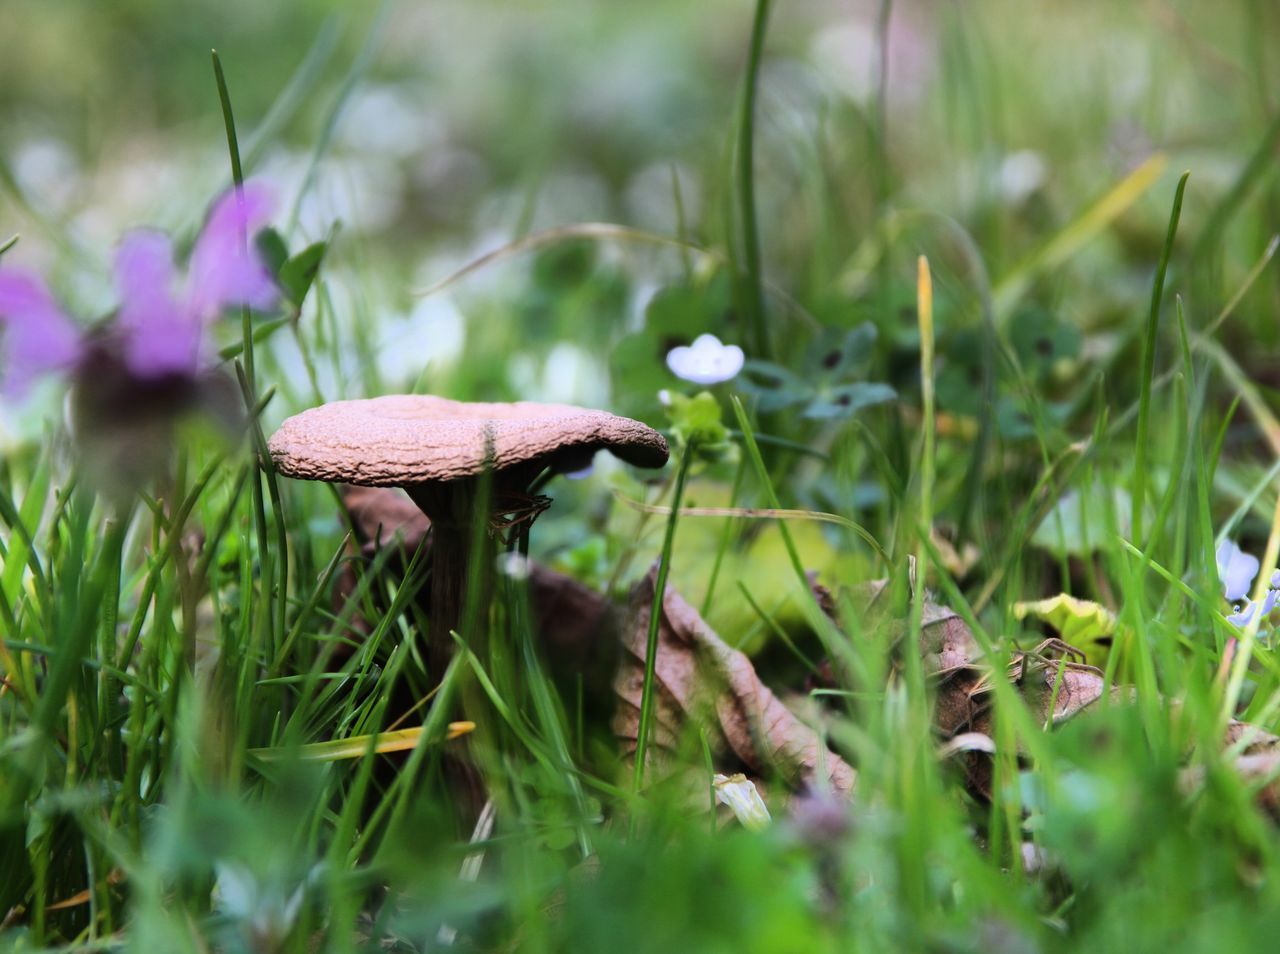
(706, 361)
(1021, 174)
(237, 889)
(514, 565)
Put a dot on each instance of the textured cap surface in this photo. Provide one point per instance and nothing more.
(403, 439)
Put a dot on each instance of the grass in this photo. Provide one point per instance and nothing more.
(221, 726)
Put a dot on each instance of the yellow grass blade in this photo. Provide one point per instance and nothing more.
(401, 740)
(1077, 234)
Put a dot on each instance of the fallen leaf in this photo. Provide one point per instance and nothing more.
(382, 516)
(946, 642)
(1051, 680)
(1057, 687)
(951, 655)
(1249, 739)
(697, 673)
(1261, 770)
(1082, 623)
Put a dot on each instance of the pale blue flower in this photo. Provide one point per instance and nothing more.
(1237, 570)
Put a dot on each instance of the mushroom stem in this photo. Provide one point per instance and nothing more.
(451, 547)
(452, 510)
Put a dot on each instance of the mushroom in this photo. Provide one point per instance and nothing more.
(441, 452)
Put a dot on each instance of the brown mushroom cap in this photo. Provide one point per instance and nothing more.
(405, 439)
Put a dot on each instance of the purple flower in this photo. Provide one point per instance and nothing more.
(224, 269)
(38, 337)
(160, 327)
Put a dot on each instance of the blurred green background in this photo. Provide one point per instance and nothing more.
(434, 132)
(424, 137)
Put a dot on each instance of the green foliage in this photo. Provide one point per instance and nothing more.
(294, 274)
(825, 388)
(155, 645)
(697, 424)
(675, 315)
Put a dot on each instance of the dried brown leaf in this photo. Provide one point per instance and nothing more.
(1261, 769)
(382, 515)
(697, 674)
(946, 642)
(947, 645)
(1067, 686)
(1251, 739)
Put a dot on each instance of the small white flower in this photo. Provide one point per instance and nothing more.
(740, 794)
(263, 909)
(664, 397)
(1021, 174)
(514, 565)
(706, 361)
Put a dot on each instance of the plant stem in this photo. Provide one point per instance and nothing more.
(237, 178)
(1149, 364)
(655, 617)
(924, 311)
(754, 298)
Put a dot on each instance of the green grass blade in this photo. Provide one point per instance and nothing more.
(1139, 485)
(650, 688)
(753, 297)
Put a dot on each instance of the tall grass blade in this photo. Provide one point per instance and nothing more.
(1150, 340)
